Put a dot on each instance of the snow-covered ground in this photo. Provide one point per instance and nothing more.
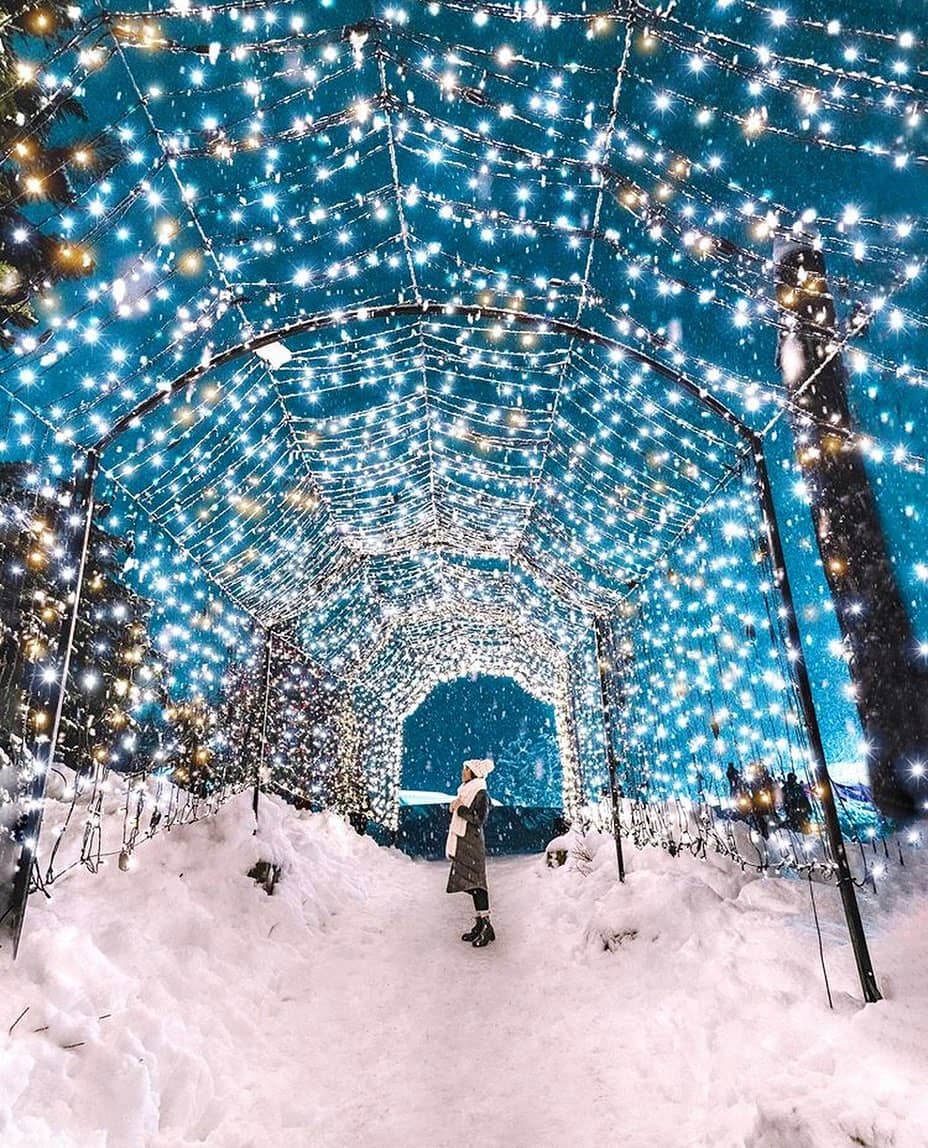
(176, 1004)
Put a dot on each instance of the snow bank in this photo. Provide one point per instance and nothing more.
(724, 968)
(176, 1004)
(138, 984)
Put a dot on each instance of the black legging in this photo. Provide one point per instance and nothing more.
(481, 900)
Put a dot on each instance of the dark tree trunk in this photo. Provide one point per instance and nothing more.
(891, 685)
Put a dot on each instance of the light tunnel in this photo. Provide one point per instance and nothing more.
(419, 653)
(399, 586)
(383, 538)
(386, 344)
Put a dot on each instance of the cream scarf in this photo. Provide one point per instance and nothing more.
(467, 791)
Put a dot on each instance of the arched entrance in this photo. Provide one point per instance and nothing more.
(418, 655)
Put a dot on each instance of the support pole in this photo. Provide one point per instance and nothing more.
(605, 664)
(51, 693)
(265, 706)
(890, 676)
(574, 800)
(804, 690)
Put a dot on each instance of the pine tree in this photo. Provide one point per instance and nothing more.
(45, 158)
(115, 671)
(190, 753)
(529, 763)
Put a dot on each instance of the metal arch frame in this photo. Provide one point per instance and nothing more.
(753, 448)
(466, 614)
(325, 320)
(426, 309)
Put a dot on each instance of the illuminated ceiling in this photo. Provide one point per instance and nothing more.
(478, 218)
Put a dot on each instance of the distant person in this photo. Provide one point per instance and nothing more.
(466, 849)
(796, 805)
(762, 797)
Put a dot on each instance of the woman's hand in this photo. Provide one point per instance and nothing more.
(455, 804)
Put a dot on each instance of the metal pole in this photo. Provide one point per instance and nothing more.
(804, 689)
(52, 694)
(262, 751)
(598, 627)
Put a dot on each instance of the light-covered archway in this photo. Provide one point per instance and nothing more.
(435, 646)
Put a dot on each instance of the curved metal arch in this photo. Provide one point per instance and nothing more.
(426, 309)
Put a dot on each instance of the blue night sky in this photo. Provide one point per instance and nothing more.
(484, 716)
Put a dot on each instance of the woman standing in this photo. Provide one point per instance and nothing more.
(466, 849)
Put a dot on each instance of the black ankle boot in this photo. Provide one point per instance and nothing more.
(486, 934)
(474, 933)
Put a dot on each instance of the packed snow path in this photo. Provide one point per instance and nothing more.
(179, 1005)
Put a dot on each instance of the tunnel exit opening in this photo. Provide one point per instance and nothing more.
(481, 715)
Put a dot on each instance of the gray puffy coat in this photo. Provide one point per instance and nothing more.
(469, 864)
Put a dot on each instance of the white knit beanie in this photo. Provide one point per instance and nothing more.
(480, 766)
